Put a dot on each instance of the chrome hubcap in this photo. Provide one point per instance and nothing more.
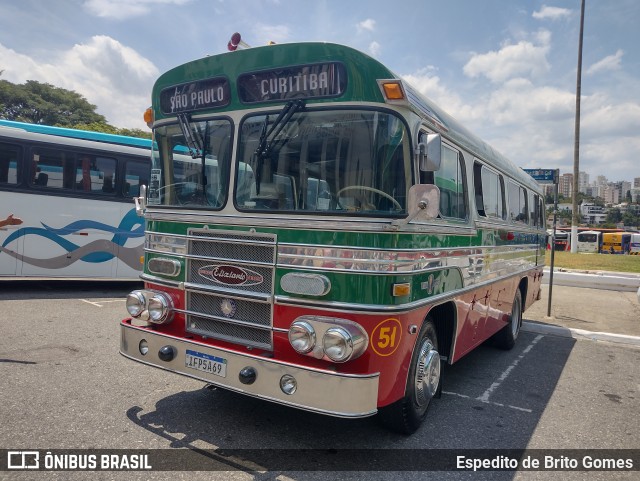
(515, 319)
(427, 377)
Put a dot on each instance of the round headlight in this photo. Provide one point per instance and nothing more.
(337, 344)
(302, 336)
(159, 309)
(135, 303)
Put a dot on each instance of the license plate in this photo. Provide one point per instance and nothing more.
(206, 363)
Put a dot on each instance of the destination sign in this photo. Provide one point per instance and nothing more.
(300, 82)
(544, 176)
(204, 94)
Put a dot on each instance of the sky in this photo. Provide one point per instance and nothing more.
(506, 69)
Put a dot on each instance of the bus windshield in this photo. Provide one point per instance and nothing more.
(191, 164)
(343, 161)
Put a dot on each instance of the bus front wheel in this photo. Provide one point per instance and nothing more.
(423, 384)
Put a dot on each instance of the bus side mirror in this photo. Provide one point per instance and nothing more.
(430, 153)
(141, 201)
(423, 202)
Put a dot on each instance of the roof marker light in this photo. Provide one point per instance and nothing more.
(235, 42)
(148, 117)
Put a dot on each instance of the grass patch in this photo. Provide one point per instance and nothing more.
(595, 262)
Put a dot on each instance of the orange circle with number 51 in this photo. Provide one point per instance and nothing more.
(385, 337)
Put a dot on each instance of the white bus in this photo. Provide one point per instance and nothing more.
(589, 241)
(72, 197)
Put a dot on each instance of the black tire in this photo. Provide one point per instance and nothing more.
(423, 384)
(506, 337)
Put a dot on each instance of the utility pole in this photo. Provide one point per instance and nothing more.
(575, 217)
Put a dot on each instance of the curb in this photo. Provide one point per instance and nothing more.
(612, 281)
(546, 329)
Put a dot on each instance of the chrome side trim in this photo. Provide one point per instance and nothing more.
(320, 391)
(399, 309)
(330, 223)
(162, 281)
(229, 292)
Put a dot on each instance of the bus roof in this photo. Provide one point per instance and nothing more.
(78, 134)
(362, 73)
(12, 133)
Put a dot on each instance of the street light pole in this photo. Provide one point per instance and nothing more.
(575, 217)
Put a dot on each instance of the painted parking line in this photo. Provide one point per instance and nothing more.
(102, 302)
(507, 371)
(464, 396)
(484, 398)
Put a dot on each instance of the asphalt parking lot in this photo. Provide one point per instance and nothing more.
(65, 386)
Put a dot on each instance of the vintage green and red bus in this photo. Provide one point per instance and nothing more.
(320, 235)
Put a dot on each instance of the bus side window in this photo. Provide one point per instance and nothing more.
(534, 205)
(95, 174)
(10, 156)
(450, 180)
(517, 203)
(136, 174)
(489, 192)
(477, 183)
(50, 168)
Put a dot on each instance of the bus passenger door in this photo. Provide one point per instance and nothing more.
(130, 237)
(130, 243)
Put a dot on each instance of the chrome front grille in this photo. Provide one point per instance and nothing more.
(244, 310)
(229, 286)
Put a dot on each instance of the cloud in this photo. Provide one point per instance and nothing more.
(271, 33)
(611, 62)
(108, 74)
(512, 60)
(552, 13)
(369, 24)
(428, 84)
(374, 48)
(123, 9)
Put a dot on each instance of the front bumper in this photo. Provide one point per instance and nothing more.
(321, 391)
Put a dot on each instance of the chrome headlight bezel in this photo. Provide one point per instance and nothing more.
(331, 332)
(302, 337)
(136, 303)
(160, 308)
(337, 344)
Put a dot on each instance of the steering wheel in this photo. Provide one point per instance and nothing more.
(370, 189)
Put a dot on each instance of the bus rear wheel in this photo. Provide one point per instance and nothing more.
(423, 384)
(507, 336)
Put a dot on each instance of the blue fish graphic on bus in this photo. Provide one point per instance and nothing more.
(99, 251)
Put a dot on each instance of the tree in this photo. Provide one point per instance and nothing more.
(42, 103)
(614, 216)
(110, 129)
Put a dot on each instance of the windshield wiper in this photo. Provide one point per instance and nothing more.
(265, 143)
(191, 136)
